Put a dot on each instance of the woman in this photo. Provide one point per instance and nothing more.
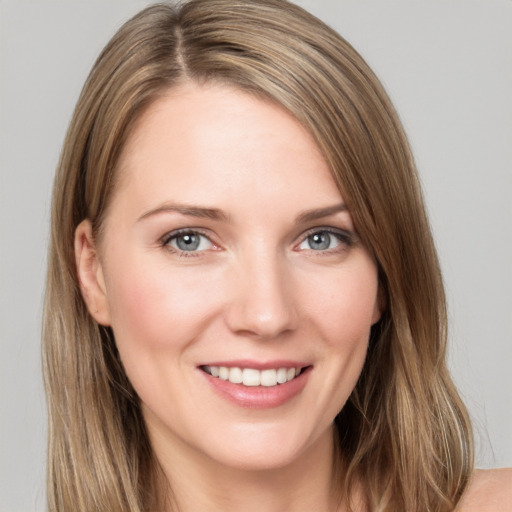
(244, 305)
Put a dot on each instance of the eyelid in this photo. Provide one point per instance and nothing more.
(346, 237)
(165, 241)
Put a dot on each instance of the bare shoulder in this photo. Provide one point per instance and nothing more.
(488, 491)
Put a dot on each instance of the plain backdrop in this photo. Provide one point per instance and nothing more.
(447, 66)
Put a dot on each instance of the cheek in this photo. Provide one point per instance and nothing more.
(347, 307)
(341, 312)
(156, 309)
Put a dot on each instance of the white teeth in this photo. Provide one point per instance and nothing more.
(269, 377)
(252, 377)
(281, 376)
(235, 375)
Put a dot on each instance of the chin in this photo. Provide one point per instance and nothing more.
(271, 450)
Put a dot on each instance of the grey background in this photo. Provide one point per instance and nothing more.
(448, 67)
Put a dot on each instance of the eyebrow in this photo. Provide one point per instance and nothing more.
(217, 214)
(319, 213)
(190, 210)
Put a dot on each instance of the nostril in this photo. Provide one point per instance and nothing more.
(264, 323)
(262, 302)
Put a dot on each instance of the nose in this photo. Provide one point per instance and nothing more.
(262, 303)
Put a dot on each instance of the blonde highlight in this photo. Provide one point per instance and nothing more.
(404, 433)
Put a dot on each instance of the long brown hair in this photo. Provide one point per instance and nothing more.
(404, 434)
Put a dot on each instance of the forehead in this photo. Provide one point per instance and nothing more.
(203, 142)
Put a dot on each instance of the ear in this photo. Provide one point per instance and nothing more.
(90, 274)
(380, 304)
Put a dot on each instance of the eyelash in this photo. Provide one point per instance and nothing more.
(169, 237)
(345, 238)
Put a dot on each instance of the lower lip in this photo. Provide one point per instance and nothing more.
(259, 397)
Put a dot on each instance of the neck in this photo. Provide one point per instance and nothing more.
(200, 483)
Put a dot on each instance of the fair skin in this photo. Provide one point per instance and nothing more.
(488, 491)
(227, 247)
(267, 273)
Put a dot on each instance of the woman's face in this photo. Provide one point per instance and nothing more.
(228, 253)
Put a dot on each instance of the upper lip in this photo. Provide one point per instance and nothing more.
(258, 365)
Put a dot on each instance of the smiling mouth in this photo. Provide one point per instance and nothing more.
(251, 377)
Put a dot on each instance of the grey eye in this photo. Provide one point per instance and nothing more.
(321, 241)
(189, 242)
